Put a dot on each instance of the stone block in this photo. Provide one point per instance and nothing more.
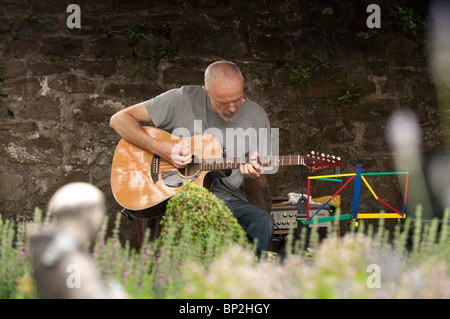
(139, 5)
(21, 48)
(403, 50)
(271, 47)
(14, 127)
(12, 187)
(183, 75)
(97, 110)
(136, 91)
(85, 156)
(10, 13)
(205, 37)
(47, 68)
(57, 46)
(96, 6)
(321, 89)
(70, 83)
(42, 108)
(334, 134)
(311, 41)
(105, 68)
(48, 24)
(22, 86)
(36, 107)
(378, 109)
(14, 69)
(423, 89)
(49, 6)
(110, 47)
(42, 150)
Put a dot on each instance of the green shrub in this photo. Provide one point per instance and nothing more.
(201, 219)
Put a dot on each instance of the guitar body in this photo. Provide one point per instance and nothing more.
(142, 182)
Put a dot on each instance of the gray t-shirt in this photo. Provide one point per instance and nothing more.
(187, 111)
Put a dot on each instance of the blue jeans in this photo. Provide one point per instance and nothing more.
(257, 223)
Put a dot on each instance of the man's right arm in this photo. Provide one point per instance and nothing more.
(127, 123)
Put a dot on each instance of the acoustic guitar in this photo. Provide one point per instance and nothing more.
(141, 180)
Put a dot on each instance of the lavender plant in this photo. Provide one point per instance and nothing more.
(338, 268)
(16, 272)
(414, 263)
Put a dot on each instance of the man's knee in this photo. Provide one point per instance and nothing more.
(267, 218)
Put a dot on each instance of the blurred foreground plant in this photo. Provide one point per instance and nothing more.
(197, 226)
(16, 270)
(412, 262)
(339, 268)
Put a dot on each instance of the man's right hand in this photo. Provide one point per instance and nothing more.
(180, 154)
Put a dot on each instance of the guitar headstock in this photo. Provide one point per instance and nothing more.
(317, 162)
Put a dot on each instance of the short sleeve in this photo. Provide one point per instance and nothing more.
(163, 107)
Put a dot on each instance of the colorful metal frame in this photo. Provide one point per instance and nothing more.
(357, 177)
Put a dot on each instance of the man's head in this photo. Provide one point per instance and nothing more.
(224, 85)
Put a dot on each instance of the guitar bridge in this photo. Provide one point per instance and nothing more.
(155, 168)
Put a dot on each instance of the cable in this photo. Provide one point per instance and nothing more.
(128, 216)
(139, 234)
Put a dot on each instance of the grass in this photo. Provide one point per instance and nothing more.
(369, 262)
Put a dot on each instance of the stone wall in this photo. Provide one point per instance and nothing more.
(59, 86)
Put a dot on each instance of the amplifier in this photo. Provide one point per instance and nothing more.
(285, 217)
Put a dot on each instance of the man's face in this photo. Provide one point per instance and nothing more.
(226, 98)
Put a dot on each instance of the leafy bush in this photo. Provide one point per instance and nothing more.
(211, 223)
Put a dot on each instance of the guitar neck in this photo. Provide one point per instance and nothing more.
(265, 161)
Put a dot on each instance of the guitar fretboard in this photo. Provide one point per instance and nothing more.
(233, 163)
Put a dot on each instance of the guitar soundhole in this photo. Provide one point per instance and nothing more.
(176, 178)
(191, 169)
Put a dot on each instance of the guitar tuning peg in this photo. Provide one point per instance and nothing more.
(333, 157)
(312, 152)
(338, 158)
(323, 154)
(328, 155)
